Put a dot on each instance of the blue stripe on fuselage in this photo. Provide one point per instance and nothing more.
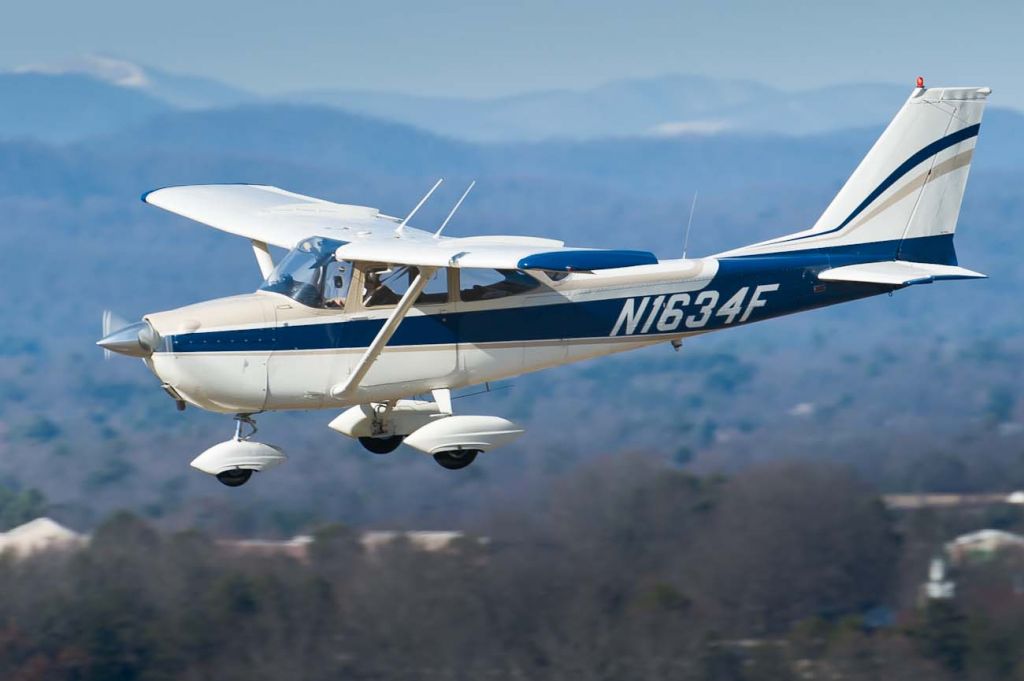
(794, 272)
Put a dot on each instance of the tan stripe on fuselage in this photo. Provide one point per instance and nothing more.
(944, 168)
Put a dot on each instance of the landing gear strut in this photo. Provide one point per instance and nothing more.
(380, 442)
(248, 420)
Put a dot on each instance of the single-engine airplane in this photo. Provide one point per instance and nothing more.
(369, 314)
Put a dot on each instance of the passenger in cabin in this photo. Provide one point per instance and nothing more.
(377, 293)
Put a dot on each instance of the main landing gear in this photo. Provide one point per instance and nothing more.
(454, 441)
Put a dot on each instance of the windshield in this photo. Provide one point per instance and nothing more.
(310, 275)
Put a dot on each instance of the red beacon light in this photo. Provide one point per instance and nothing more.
(920, 81)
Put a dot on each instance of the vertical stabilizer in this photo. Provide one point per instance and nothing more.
(908, 187)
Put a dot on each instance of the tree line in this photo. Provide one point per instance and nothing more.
(624, 569)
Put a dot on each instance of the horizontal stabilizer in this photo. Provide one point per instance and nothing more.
(897, 273)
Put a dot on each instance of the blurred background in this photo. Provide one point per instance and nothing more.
(833, 495)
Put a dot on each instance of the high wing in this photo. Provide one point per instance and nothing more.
(282, 218)
(271, 215)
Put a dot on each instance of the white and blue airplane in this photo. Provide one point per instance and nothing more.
(368, 314)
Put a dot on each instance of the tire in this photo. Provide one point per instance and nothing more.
(381, 445)
(455, 459)
(236, 477)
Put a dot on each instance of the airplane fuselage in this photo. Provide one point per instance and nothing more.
(265, 352)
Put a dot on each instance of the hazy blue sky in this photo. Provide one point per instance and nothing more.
(486, 48)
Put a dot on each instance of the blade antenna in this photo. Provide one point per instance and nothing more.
(401, 227)
(686, 239)
(437, 234)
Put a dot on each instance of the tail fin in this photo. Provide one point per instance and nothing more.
(904, 197)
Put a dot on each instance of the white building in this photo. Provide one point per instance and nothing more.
(41, 534)
(982, 543)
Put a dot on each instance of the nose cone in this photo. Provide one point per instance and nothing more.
(134, 340)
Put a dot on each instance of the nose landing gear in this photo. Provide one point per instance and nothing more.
(234, 461)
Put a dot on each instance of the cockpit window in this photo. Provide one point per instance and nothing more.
(489, 284)
(311, 276)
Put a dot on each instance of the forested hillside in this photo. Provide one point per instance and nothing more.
(917, 391)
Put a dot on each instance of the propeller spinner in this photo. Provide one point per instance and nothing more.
(135, 340)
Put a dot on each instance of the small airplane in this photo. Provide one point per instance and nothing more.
(369, 314)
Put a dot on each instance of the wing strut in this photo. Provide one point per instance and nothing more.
(263, 257)
(384, 335)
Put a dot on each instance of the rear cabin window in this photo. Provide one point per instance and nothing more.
(383, 286)
(490, 284)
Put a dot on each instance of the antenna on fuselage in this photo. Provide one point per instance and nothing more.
(401, 227)
(686, 239)
(437, 234)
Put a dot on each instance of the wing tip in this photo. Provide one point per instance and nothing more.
(145, 195)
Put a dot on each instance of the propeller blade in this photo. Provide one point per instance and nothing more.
(112, 322)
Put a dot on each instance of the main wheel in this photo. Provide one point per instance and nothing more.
(236, 477)
(381, 445)
(454, 459)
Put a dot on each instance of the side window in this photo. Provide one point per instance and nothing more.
(339, 276)
(437, 288)
(383, 286)
(490, 284)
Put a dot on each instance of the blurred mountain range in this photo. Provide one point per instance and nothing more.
(178, 90)
(883, 384)
(666, 106)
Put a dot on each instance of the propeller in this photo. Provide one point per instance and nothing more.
(111, 323)
(135, 340)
